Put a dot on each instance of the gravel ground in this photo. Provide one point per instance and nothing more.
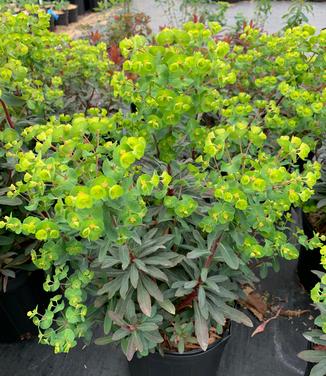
(274, 23)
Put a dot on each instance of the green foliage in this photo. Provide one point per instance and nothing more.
(149, 220)
(43, 73)
(60, 5)
(14, 249)
(107, 4)
(297, 13)
(263, 10)
(122, 25)
(317, 336)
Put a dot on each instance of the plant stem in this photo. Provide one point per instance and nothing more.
(213, 251)
(5, 109)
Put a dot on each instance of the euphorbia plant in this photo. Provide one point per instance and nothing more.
(150, 220)
(15, 249)
(43, 73)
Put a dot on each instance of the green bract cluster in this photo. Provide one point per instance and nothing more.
(149, 219)
(272, 81)
(43, 73)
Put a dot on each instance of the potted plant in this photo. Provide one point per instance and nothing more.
(149, 220)
(61, 9)
(20, 286)
(80, 6)
(72, 13)
(72, 75)
(314, 221)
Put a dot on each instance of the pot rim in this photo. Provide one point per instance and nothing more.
(196, 352)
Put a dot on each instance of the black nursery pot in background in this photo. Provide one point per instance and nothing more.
(93, 4)
(72, 13)
(192, 363)
(309, 259)
(63, 18)
(52, 24)
(80, 6)
(23, 294)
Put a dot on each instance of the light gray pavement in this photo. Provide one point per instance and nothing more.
(274, 23)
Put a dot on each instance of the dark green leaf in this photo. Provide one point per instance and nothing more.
(131, 348)
(119, 334)
(147, 327)
(124, 285)
(10, 201)
(152, 288)
(167, 306)
(154, 336)
(319, 369)
(313, 356)
(107, 325)
(144, 299)
(138, 343)
(117, 318)
(134, 276)
(236, 315)
(201, 328)
(124, 257)
(103, 341)
(229, 256)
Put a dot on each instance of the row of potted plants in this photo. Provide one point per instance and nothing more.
(46, 74)
(62, 12)
(148, 201)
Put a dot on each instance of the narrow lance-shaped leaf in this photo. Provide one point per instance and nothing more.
(107, 325)
(319, 369)
(201, 328)
(102, 341)
(124, 257)
(124, 285)
(229, 256)
(313, 356)
(152, 288)
(111, 287)
(138, 343)
(134, 276)
(117, 318)
(144, 299)
(119, 334)
(168, 306)
(131, 348)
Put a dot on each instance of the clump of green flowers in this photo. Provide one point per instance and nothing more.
(149, 220)
(43, 73)
(273, 81)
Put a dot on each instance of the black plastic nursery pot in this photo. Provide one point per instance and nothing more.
(63, 18)
(309, 259)
(93, 4)
(52, 24)
(72, 13)
(80, 6)
(23, 294)
(309, 368)
(191, 363)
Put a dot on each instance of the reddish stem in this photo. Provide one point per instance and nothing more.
(5, 109)
(214, 247)
(187, 301)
